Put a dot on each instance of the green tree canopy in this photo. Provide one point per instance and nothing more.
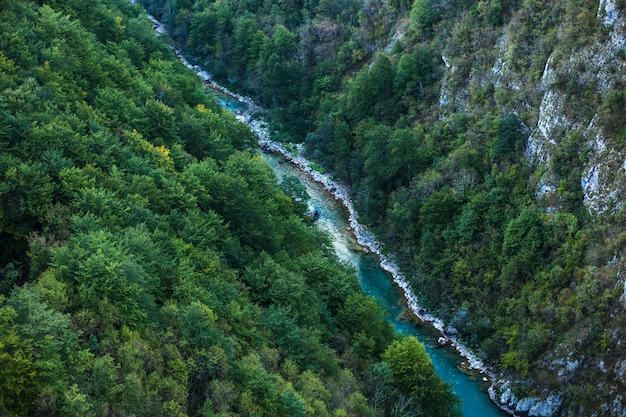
(414, 374)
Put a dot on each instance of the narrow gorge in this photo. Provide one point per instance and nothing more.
(482, 143)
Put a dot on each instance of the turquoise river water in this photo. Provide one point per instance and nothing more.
(469, 387)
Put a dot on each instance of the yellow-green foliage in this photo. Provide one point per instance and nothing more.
(424, 109)
(150, 264)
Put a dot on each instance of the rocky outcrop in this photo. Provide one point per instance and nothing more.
(596, 69)
(565, 100)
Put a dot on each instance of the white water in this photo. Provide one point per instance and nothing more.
(364, 237)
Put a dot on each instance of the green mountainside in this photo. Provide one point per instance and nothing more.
(150, 263)
(484, 141)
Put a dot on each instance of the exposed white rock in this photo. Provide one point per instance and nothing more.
(525, 404)
(600, 61)
(605, 170)
(532, 406)
(446, 61)
(444, 93)
(608, 12)
(547, 408)
(399, 34)
(621, 281)
(451, 93)
(571, 366)
(158, 26)
(551, 122)
(500, 66)
(508, 397)
(617, 406)
(502, 74)
(444, 97)
(550, 116)
(620, 369)
(591, 186)
(596, 67)
(603, 174)
(598, 143)
(548, 77)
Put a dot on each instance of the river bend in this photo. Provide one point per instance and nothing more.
(353, 243)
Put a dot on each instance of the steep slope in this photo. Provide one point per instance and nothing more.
(573, 115)
(150, 263)
(580, 117)
(484, 141)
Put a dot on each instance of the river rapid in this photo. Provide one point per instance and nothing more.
(355, 244)
(378, 274)
(450, 366)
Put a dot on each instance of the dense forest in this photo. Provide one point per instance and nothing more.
(431, 112)
(150, 263)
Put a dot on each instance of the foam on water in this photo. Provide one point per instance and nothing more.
(364, 237)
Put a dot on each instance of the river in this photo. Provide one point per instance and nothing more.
(378, 275)
(468, 384)
(377, 282)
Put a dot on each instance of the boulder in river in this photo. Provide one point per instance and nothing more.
(451, 331)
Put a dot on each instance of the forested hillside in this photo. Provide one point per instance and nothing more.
(483, 141)
(150, 264)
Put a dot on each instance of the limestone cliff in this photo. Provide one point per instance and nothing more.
(566, 85)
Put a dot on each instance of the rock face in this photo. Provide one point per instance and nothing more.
(561, 102)
(529, 406)
(599, 65)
